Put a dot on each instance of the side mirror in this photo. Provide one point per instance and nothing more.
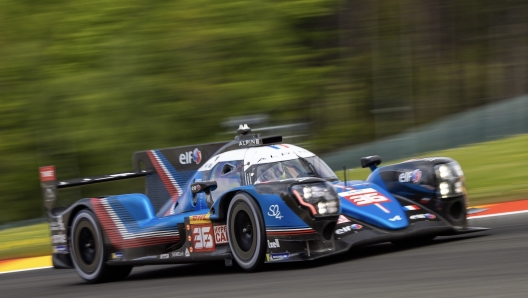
(203, 186)
(371, 161)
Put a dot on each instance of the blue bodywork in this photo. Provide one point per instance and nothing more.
(388, 214)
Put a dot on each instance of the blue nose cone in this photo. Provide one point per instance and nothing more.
(373, 205)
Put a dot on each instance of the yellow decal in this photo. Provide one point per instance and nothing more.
(200, 219)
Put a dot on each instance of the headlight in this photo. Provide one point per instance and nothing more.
(450, 179)
(444, 172)
(320, 198)
(444, 188)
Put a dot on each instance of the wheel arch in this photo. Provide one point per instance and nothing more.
(84, 205)
(225, 200)
(74, 212)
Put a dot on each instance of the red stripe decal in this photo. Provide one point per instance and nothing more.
(302, 202)
(113, 233)
(286, 232)
(173, 192)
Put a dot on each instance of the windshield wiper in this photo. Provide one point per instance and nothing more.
(310, 166)
(314, 170)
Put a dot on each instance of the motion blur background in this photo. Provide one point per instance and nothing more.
(84, 84)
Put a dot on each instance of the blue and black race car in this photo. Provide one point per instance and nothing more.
(252, 200)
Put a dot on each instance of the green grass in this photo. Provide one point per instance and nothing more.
(495, 171)
(28, 241)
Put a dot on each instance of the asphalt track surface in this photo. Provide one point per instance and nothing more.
(485, 264)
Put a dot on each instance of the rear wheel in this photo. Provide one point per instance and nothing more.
(88, 253)
(247, 235)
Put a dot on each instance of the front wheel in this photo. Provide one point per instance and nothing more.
(247, 234)
(88, 253)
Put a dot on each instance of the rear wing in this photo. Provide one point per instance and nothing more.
(50, 185)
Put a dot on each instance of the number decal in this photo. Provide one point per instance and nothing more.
(367, 199)
(202, 238)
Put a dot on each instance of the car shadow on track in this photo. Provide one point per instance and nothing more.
(218, 268)
(361, 253)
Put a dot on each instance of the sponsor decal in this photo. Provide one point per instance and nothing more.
(196, 187)
(220, 234)
(164, 256)
(61, 238)
(365, 197)
(342, 219)
(47, 173)
(117, 255)
(413, 176)
(411, 207)
(423, 216)
(200, 219)
(58, 225)
(175, 254)
(278, 256)
(197, 156)
(425, 200)
(187, 254)
(274, 212)
(60, 249)
(145, 258)
(249, 142)
(274, 244)
(191, 156)
(202, 238)
(395, 218)
(49, 194)
(349, 228)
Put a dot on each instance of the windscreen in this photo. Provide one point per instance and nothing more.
(293, 169)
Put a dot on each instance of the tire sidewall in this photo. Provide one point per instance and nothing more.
(95, 274)
(258, 256)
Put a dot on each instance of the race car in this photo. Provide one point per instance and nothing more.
(253, 200)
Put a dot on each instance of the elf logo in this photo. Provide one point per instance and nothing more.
(413, 176)
(190, 156)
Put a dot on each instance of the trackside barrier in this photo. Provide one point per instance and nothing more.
(486, 123)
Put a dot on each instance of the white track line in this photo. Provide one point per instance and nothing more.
(497, 214)
(21, 270)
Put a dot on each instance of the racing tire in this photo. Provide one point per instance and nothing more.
(417, 241)
(88, 251)
(246, 232)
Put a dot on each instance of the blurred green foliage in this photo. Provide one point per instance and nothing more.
(84, 84)
(25, 242)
